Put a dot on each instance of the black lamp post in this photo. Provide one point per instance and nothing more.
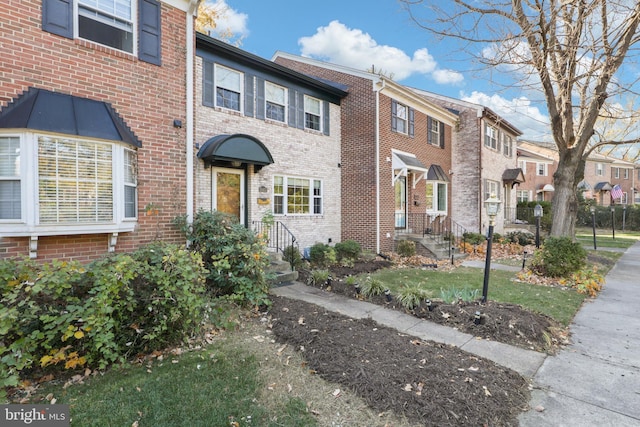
(593, 222)
(537, 212)
(492, 204)
(624, 216)
(613, 222)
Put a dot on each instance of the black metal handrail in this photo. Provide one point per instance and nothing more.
(441, 229)
(278, 237)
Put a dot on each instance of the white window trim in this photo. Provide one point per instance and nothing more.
(29, 224)
(404, 120)
(308, 112)
(433, 210)
(435, 134)
(600, 169)
(134, 27)
(492, 142)
(312, 197)
(216, 66)
(522, 164)
(285, 106)
(545, 166)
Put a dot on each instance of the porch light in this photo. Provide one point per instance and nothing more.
(492, 204)
(537, 211)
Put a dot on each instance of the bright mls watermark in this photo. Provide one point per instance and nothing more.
(34, 415)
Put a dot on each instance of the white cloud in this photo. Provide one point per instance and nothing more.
(353, 48)
(230, 22)
(518, 111)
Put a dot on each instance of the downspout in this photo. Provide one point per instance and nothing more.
(191, 13)
(480, 193)
(380, 88)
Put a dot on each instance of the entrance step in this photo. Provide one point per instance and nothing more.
(280, 270)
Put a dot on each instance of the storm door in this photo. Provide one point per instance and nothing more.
(228, 192)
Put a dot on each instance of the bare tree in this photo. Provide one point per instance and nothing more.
(571, 51)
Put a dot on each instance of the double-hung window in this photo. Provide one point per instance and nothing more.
(542, 169)
(522, 164)
(626, 173)
(312, 113)
(10, 178)
(490, 136)
(434, 129)
(108, 22)
(507, 145)
(399, 117)
(616, 172)
(228, 88)
(297, 196)
(522, 195)
(491, 188)
(599, 169)
(276, 104)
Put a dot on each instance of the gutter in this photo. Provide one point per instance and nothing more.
(377, 91)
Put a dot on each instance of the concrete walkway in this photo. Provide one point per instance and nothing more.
(596, 380)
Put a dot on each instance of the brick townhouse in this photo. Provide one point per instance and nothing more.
(395, 155)
(538, 162)
(268, 141)
(95, 127)
(483, 163)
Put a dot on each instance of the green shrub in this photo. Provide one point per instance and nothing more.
(292, 256)
(523, 238)
(348, 250)
(406, 248)
(372, 287)
(322, 255)
(559, 257)
(62, 315)
(473, 238)
(411, 296)
(235, 256)
(318, 277)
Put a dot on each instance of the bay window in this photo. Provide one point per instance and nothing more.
(436, 197)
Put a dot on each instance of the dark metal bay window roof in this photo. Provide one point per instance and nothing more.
(40, 109)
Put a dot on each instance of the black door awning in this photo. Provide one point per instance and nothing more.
(44, 110)
(235, 148)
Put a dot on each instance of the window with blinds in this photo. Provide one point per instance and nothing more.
(10, 197)
(75, 183)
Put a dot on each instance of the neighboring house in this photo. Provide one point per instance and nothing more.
(268, 142)
(602, 173)
(484, 163)
(538, 161)
(94, 127)
(395, 155)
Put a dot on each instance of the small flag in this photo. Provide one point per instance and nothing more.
(616, 192)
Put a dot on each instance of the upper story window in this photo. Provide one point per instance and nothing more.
(626, 173)
(599, 169)
(108, 22)
(312, 113)
(490, 137)
(616, 172)
(522, 164)
(228, 88)
(541, 169)
(276, 104)
(435, 129)
(297, 196)
(402, 118)
(132, 26)
(507, 145)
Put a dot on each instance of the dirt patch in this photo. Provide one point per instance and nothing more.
(427, 383)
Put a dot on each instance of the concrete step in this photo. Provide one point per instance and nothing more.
(281, 270)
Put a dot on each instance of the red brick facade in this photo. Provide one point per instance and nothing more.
(146, 96)
(360, 219)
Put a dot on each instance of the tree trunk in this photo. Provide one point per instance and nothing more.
(564, 206)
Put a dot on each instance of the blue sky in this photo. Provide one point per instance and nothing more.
(362, 33)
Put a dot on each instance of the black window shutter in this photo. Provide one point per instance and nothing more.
(208, 95)
(429, 127)
(259, 98)
(248, 95)
(412, 115)
(292, 108)
(394, 118)
(299, 110)
(149, 46)
(57, 17)
(326, 119)
(441, 127)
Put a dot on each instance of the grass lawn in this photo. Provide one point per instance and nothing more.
(605, 239)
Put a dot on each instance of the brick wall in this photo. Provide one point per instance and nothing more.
(296, 152)
(146, 96)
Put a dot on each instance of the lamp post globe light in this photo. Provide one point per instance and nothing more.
(593, 223)
(537, 212)
(492, 205)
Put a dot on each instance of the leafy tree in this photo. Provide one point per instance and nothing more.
(572, 52)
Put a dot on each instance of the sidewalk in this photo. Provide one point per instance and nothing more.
(593, 381)
(596, 380)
